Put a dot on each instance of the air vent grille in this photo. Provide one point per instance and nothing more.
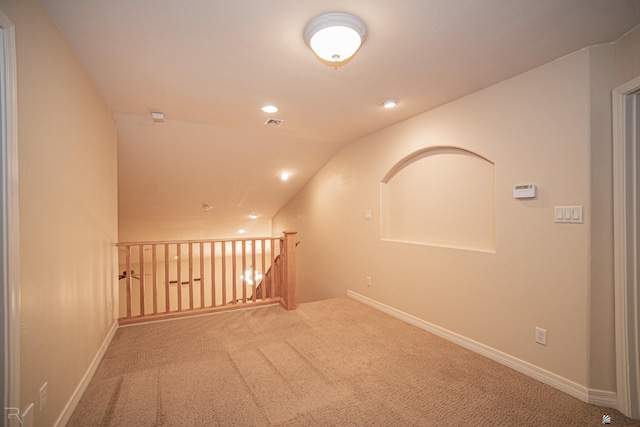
(274, 122)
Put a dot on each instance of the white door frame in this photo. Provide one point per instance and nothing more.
(626, 228)
(10, 230)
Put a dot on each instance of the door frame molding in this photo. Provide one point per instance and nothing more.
(10, 217)
(626, 169)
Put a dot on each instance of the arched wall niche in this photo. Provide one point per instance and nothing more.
(440, 196)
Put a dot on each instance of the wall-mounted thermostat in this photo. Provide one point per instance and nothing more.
(526, 191)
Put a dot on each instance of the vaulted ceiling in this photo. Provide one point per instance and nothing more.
(209, 65)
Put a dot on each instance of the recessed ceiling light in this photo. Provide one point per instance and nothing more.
(253, 216)
(390, 103)
(284, 176)
(207, 207)
(241, 231)
(270, 109)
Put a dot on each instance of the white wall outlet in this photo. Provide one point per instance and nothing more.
(369, 281)
(43, 396)
(541, 336)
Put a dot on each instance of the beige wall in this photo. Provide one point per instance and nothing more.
(68, 211)
(602, 374)
(414, 209)
(537, 129)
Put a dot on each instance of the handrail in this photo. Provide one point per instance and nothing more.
(230, 239)
(176, 278)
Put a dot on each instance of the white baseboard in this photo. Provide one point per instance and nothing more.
(608, 399)
(79, 391)
(596, 397)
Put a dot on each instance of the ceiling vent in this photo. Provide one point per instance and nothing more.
(274, 122)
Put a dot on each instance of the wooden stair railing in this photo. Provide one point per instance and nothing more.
(271, 278)
(162, 280)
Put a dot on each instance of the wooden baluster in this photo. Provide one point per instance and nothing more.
(233, 271)
(154, 278)
(271, 267)
(244, 272)
(264, 271)
(127, 278)
(201, 275)
(281, 275)
(141, 256)
(167, 287)
(275, 280)
(275, 284)
(289, 269)
(213, 274)
(255, 270)
(191, 276)
(179, 275)
(223, 261)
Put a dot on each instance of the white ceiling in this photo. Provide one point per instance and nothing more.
(210, 65)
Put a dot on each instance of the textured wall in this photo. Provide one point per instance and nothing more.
(68, 211)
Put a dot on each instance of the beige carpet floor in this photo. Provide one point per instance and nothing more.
(329, 363)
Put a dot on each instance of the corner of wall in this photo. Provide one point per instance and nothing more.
(601, 351)
(627, 57)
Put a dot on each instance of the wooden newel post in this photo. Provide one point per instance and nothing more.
(288, 299)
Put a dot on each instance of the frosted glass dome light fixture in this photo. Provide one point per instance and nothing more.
(335, 37)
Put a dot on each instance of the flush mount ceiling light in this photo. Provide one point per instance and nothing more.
(270, 109)
(335, 37)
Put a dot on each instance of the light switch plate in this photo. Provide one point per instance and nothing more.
(568, 214)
